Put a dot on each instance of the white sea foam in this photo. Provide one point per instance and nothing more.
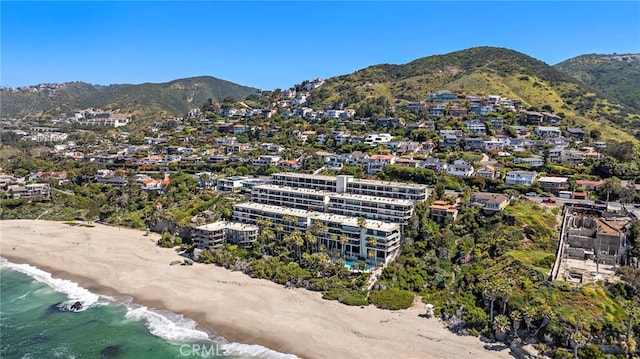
(254, 351)
(167, 325)
(71, 289)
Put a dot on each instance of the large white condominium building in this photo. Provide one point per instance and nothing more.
(216, 234)
(349, 184)
(375, 241)
(346, 204)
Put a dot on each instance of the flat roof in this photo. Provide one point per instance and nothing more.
(389, 183)
(361, 197)
(215, 226)
(241, 226)
(304, 175)
(553, 179)
(344, 220)
(293, 189)
(351, 179)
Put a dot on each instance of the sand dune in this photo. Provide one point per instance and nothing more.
(115, 261)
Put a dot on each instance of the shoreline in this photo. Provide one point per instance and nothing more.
(231, 335)
(122, 263)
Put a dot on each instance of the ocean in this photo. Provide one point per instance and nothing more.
(37, 321)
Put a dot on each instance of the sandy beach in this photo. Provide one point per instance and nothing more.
(123, 262)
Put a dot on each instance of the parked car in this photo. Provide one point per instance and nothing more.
(531, 194)
(599, 201)
(549, 200)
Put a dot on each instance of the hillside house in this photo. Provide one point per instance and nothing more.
(481, 110)
(476, 127)
(474, 143)
(551, 119)
(576, 133)
(488, 172)
(458, 111)
(531, 118)
(548, 131)
(442, 210)
(376, 163)
(553, 184)
(490, 202)
(460, 168)
(443, 96)
(437, 111)
(520, 178)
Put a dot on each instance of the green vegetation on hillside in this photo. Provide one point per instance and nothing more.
(615, 76)
(482, 71)
(146, 100)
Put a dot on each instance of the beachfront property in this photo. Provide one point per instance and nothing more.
(386, 235)
(33, 191)
(349, 184)
(346, 204)
(217, 234)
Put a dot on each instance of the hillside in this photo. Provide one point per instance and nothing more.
(615, 76)
(144, 100)
(484, 71)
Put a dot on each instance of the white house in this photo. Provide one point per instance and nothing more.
(520, 178)
(376, 163)
(230, 184)
(374, 139)
(460, 168)
(548, 131)
(266, 161)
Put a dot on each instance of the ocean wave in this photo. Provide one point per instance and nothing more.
(74, 292)
(254, 351)
(169, 326)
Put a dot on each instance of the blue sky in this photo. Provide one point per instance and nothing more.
(277, 44)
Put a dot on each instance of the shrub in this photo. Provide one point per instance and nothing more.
(546, 262)
(346, 296)
(165, 241)
(392, 298)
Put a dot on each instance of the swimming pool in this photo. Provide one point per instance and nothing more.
(350, 264)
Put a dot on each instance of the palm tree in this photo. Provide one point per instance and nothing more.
(334, 240)
(290, 219)
(490, 292)
(516, 317)
(629, 346)
(310, 239)
(318, 228)
(266, 234)
(298, 241)
(577, 341)
(373, 243)
(504, 293)
(371, 253)
(528, 313)
(362, 222)
(344, 239)
(501, 326)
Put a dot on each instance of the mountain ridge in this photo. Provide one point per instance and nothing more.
(174, 97)
(484, 71)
